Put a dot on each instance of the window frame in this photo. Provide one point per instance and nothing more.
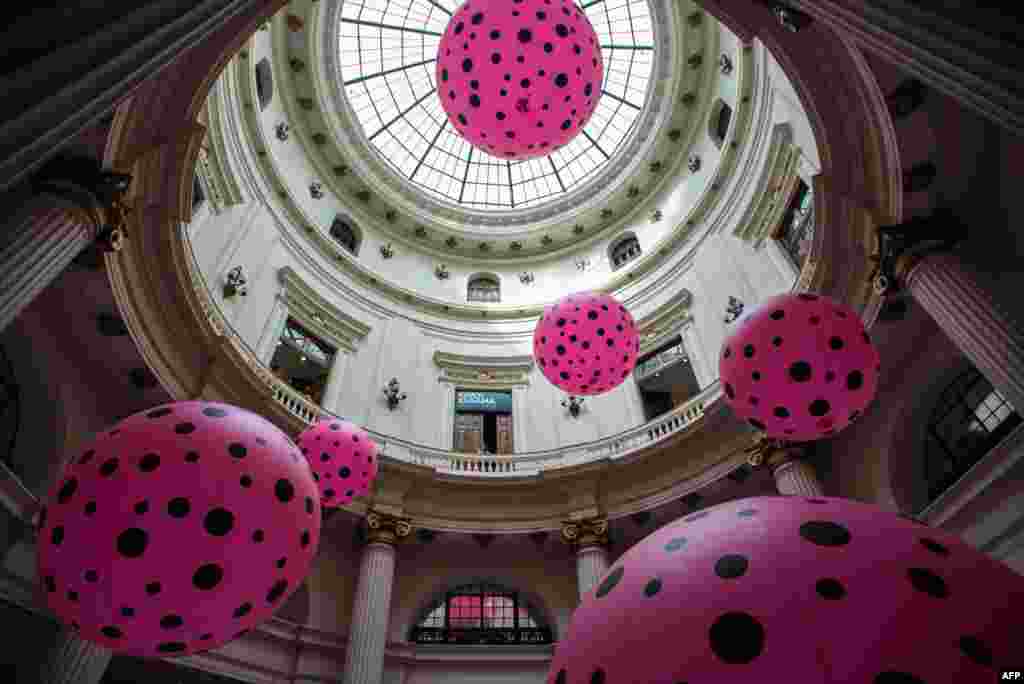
(537, 633)
(353, 230)
(477, 297)
(617, 244)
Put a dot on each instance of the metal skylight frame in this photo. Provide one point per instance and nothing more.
(387, 58)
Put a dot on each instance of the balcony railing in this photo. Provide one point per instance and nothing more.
(493, 635)
(521, 464)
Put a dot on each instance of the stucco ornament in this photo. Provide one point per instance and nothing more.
(177, 530)
(788, 589)
(799, 367)
(586, 343)
(342, 457)
(519, 79)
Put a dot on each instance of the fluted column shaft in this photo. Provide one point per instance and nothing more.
(797, 478)
(364, 656)
(970, 318)
(72, 660)
(591, 566)
(37, 242)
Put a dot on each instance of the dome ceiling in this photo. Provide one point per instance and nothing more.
(388, 54)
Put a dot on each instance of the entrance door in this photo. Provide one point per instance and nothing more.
(504, 428)
(469, 432)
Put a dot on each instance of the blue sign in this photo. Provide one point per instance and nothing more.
(485, 402)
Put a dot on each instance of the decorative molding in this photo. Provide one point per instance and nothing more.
(322, 317)
(665, 321)
(490, 372)
(386, 529)
(778, 179)
(586, 532)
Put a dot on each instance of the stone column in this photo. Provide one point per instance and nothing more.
(364, 656)
(794, 476)
(72, 204)
(335, 379)
(970, 317)
(72, 660)
(589, 538)
(272, 330)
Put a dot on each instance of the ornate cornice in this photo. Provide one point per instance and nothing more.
(386, 529)
(774, 187)
(323, 317)
(586, 532)
(665, 321)
(490, 372)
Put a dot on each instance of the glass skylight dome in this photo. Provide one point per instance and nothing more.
(388, 50)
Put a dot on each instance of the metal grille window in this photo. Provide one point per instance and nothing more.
(345, 234)
(481, 614)
(624, 251)
(483, 289)
(796, 232)
(969, 419)
(388, 53)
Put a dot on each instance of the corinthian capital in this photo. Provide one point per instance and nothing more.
(587, 532)
(386, 529)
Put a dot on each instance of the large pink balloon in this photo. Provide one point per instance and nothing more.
(519, 79)
(800, 367)
(787, 589)
(586, 343)
(343, 459)
(178, 529)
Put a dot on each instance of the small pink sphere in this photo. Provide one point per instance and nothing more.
(178, 529)
(800, 367)
(787, 589)
(519, 79)
(586, 343)
(343, 459)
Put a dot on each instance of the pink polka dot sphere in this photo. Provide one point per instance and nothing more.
(178, 529)
(343, 459)
(586, 343)
(800, 367)
(519, 79)
(787, 589)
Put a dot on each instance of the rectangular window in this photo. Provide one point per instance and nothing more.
(302, 360)
(483, 422)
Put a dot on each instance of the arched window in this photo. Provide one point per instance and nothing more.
(623, 250)
(264, 83)
(718, 122)
(347, 235)
(481, 613)
(483, 288)
(969, 418)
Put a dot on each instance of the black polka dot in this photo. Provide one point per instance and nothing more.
(975, 649)
(178, 507)
(824, 533)
(90, 508)
(855, 380)
(781, 412)
(729, 391)
(185, 428)
(242, 610)
(171, 647)
(500, 116)
(652, 587)
(748, 351)
(281, 563)
(819, 407)
(328, 493)
(219, 522)
(149, 463)
(566, 124)
(171, 621)
(935, 547)
(560, 678)
(258, 536)
(159, 413)
(109, 467)
(731, 566)
(73, 596)
(153, 588)
(756, 424)
(112, 632)
(213, 412)
(736, 638)
(306, 538)
(894, 677)
(142, 507)
(778, 315)
(284, 490)
(127, 612)
(927, 582)
(495, 59)
(245, 481)
(477, 18)
(755, 376)
(345, 471)
(192, 456)
(207, 576)
(597, 677)
(548, 48)
(525, 35)
(86, 457)
(132, 542)
(237, 450)
(835, 343)
(675, 544)
(776, 341)
(612, 579)
(91, 575)
(830, 589)
(277, 591)
(800, 371)
(830, 376)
